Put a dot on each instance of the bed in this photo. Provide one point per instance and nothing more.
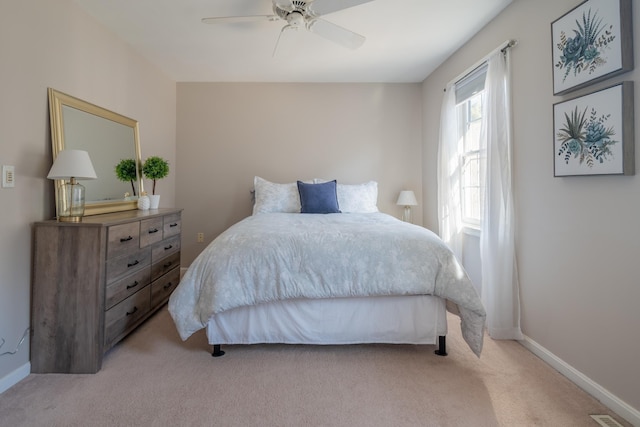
(299, 272)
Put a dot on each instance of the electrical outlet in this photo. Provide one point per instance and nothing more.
(8, 176)
(200, 237)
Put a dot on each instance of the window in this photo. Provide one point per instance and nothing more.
(469, 109)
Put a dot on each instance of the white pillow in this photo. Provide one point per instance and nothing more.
(272, 197)
(356, 198)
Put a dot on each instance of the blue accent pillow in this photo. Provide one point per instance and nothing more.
(318, 198)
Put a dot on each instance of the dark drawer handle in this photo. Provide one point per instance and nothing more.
(166, 248)
(167, 286)
(134, 285)
(136, 262)
(126, 239)
(168, 264)
(134, 310)
(153, 230)
(175, 224)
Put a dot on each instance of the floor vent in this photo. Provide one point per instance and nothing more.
(606, 421)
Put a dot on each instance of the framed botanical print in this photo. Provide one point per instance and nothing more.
(590, 43)
(594, 133)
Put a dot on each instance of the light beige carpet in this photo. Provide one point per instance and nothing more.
(154, 379)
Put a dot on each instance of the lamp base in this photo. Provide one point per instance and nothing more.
(71, 202)
(406, 215)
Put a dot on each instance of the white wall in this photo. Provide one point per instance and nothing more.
(54, 44)
(578, 238)
(229, 132)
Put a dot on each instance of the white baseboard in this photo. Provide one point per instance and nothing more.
(14, 377)
(608, 399)
(182, 271)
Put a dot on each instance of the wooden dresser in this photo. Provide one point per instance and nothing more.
(97, 280)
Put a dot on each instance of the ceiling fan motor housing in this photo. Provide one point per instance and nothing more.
(294, 12)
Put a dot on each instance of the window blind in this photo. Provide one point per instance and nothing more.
(471, 83)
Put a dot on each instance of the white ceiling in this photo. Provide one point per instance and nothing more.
(406, 39)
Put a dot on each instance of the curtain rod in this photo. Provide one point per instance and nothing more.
(502, 47)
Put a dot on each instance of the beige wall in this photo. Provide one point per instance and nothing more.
(54, 44)
(229, 132)
(578, 238)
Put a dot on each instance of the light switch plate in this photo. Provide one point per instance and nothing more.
(8, 176)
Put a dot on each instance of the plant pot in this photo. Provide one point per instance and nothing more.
(154, 201)
(143, 202)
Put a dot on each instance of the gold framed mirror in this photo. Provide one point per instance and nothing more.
(109, 138)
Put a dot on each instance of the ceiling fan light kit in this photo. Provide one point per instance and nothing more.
(295, 19)
(304, 14)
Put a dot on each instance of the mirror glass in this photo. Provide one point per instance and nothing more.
(109, 138)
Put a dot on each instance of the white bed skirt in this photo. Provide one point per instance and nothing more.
(418, 319)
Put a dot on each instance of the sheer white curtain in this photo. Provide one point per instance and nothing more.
(449, 175)
(500, 288)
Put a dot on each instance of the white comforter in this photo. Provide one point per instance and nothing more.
(270, 257)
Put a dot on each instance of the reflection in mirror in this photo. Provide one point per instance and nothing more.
(109, 138)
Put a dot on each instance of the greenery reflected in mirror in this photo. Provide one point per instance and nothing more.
(110, 139)
(127, 171)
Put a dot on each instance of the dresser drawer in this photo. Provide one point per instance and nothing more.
(172, 225)
(162, 288)
(165, 248)
(123, 239)
(121, 289)
(151, 231)
(164, 265)
(123, 316)
(119, 267)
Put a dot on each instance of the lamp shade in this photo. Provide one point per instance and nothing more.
(407, 198)
(72, 164)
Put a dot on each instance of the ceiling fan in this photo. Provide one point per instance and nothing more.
(304, 14)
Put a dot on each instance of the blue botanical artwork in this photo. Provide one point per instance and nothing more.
(589, 45)
(585, 139)
(588, 134)
(583, 50)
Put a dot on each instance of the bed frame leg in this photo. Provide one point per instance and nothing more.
(216, 351)
(442, 346)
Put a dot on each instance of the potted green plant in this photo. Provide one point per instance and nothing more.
(126, 171)
(155, 168)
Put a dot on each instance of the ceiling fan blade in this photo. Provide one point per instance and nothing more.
(323, 7)
(239, 19)
(335, 33)
(283, 49)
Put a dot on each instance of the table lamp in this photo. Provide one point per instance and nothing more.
(407, 199)
(72, 165)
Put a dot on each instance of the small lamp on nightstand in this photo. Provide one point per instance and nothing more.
(407, 199)
(72, 165)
